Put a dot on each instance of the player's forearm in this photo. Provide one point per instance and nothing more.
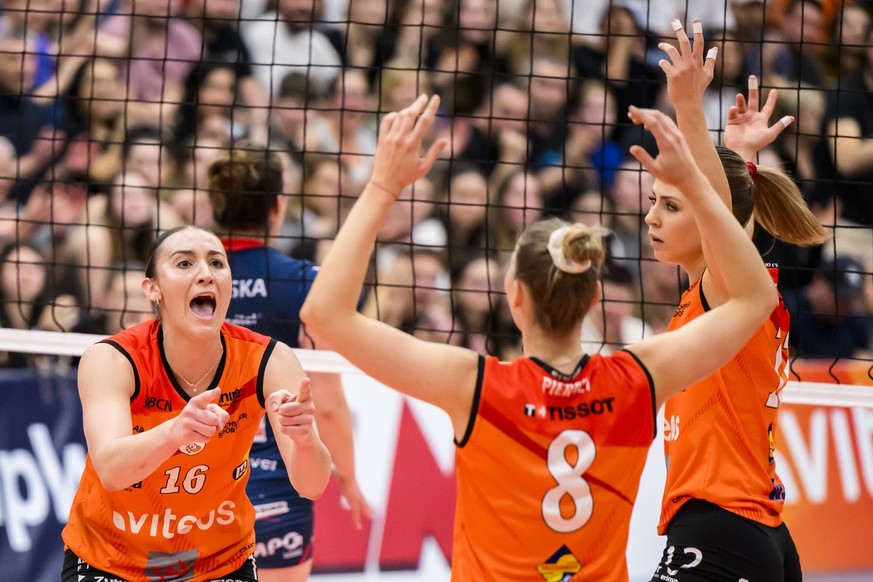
(691, 120)
(125, 461)
(309, 469)
(334, 294)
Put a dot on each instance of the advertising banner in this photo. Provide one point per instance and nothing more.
(405, 464)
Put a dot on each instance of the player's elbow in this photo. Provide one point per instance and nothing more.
(322, 322)
(111, 480)
(311, 488)
(310, 315)
(770, 301)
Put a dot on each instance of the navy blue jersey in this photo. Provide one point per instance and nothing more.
(268, 291)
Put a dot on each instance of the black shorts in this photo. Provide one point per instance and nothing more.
(708, 543)
(76, 570)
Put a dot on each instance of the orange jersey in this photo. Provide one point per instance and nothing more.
(190, 519)
(719, 433)
(549, 469)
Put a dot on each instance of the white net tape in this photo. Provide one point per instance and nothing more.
(74, 344)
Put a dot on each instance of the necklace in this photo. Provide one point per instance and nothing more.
(194, 385)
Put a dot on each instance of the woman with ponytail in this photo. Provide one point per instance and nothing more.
(550, 446)
(722, 503)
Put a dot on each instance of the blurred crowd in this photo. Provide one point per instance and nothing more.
(112, 110)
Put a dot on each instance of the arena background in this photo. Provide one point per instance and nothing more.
(111, 110)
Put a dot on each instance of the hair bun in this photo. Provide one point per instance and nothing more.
(559, 257)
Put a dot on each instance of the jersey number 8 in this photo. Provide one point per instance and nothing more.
(570, 481)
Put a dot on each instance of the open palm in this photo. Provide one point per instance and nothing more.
(748, 130)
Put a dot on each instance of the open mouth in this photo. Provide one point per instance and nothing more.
(203, 306)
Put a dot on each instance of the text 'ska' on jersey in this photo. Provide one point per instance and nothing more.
(190, 519)
(549, 469)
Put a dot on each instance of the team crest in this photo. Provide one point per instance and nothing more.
(560, 567)
(192, 449)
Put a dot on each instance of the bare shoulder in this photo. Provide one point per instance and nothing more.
(102, 354)
(283, 369)
(104, 368)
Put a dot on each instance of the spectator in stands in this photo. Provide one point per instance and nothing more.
(409, 292)
(93, 118)
(613, 324)
(480, 311)
(365, 30)
(412, 28)
(219, 24)
(8, 167)
(323, 192)
(466, 63)
(188, 194)
(24, 293)
(399, 81)
(848, 139)
(21, 118)
(494, 137)
(463, 210)
(293, 114)
(791, 54)
(590, 156)
(158, 49)
(630, 198)
(619, 57)
(549, 88)
(518, 203)
(750, 18)
(62, 38)
(126, 305)
(287, 40)
(210, 105)
(830, 321)
(121, 228)
(847, 41)
(144, 153)
(55, 205)
(542, 32)
(342, 128)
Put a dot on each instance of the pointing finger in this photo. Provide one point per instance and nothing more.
(204, 398)
(305, 392)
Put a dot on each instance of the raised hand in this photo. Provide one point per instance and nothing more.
(748, 130)
(296, 411)
(675, 163)
(688, 72)
(201, 418)
(397, 162)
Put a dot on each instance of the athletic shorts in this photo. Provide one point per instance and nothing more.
(708, 543)
(283, 534)
(76, 570)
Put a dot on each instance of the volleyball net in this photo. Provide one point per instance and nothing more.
(111, 113)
